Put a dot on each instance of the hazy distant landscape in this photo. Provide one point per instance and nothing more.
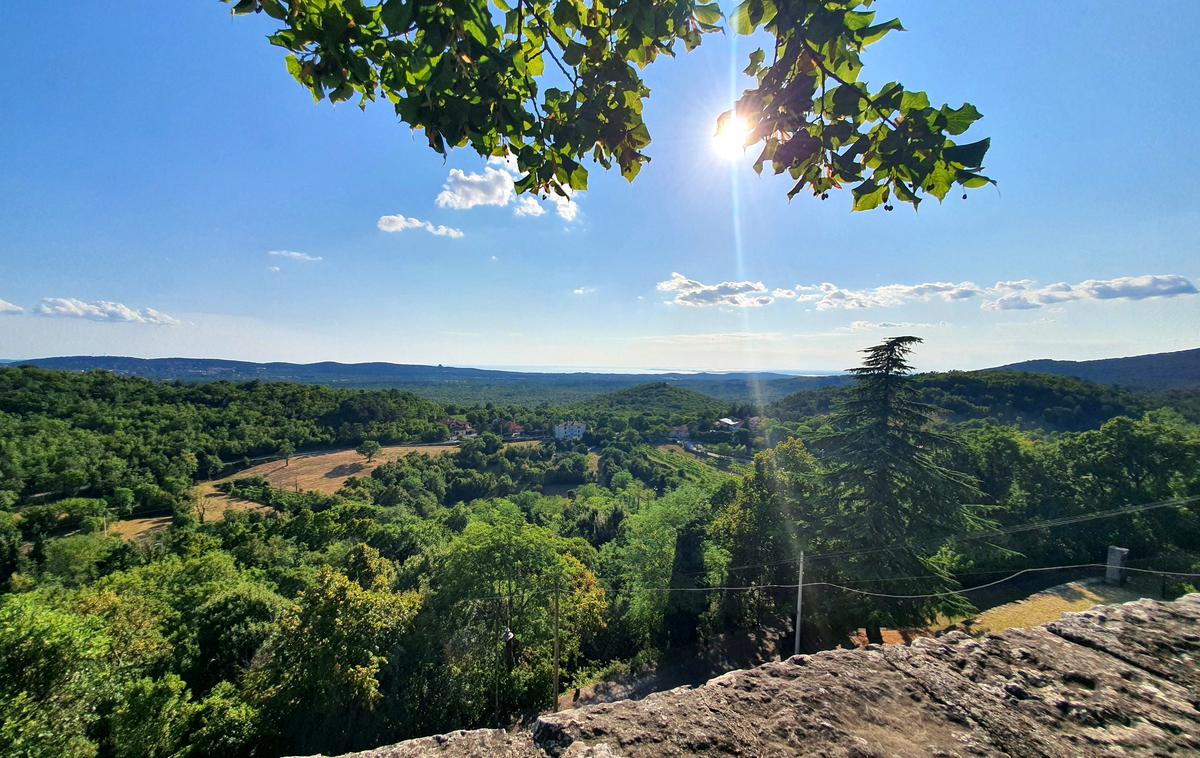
(1180, 370)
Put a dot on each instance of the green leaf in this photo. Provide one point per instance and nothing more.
(274, 9)
(708, 14)
(940, 180)
(958, 120)
(751, 14)
(914, 101)
(245, 7)
(972, 180)
(856, 20)
(869, 195)
(397, 15)
(756, 60)
(574, 53)
(873, 34)
(847, 100)
(970, 154)
(295, 68)
(579, 178)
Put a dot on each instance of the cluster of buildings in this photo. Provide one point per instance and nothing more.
(462, 430)
(727, 425)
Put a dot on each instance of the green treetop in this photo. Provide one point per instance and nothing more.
(552, 82)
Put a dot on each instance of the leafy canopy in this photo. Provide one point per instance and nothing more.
(551, 82)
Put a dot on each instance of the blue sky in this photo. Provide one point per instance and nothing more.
(154, 154)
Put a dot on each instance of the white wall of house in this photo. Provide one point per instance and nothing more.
(569, 430)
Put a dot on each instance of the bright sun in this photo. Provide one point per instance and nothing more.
(730, 140)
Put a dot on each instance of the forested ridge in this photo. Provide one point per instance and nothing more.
(419, 598)
(1031, 401)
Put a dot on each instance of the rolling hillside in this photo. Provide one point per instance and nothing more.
(1159, 371)
(443, 383)
(660, 399)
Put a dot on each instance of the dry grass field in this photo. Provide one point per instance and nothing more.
(1050, 604)
(327, 472)
(315, 472)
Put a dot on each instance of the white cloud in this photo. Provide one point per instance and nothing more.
(583, 290)
(1021, 294)
(528, 205)
(494, 259)
(462, 191)
(507, 161)
(274, 269)
(1014, 301)
(496, 186)
(10, 309)
(694, 294)
(292, 255)
(830, 297)
(102, 310)
(1028, 297)
(566, 207)
(400, 223)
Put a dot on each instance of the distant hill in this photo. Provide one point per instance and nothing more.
(1159, 371)
(659, 398)
(1032, 401)
(444, 383)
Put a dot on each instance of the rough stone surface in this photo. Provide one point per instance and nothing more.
(1114, 680)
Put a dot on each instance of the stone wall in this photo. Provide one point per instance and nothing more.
(1114, 680)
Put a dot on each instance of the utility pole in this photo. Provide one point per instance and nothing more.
(556, 647)
(799, 601)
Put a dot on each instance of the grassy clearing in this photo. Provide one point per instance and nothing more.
(689, 467)
(1050, 604)
(318, 472)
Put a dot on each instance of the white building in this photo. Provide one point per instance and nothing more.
(569, 430)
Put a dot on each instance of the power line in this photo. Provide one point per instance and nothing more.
(991, 534)
(1014, 529)
(1032, 526)
(993, 584)
(748, 587)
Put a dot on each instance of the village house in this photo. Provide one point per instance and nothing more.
(512, 429)
(728, 425)
(679, 433)
(458, 428)
(569, 430)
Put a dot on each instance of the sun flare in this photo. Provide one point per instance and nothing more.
(731, 138)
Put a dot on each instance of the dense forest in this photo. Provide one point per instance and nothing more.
(420, 597)
(1030, 401)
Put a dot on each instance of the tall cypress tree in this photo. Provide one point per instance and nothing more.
(899, 505)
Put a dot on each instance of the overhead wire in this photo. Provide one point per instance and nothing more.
(1013, 529)
(835, 585)
(971, 536)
